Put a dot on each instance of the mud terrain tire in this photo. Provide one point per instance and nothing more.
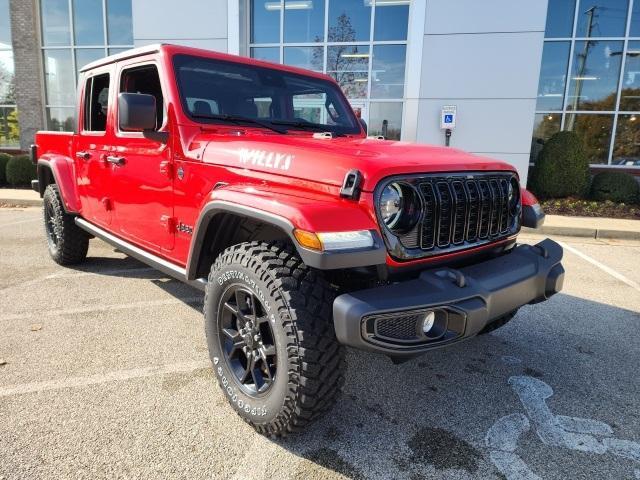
(67, 243)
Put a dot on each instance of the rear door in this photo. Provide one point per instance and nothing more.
(91, 146)
(141, 168)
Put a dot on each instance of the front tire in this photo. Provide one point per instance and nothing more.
(268, 320)
(67, 243)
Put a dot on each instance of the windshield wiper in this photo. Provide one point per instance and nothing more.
(239, 119)
(300, 124)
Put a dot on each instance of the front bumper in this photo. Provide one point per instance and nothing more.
(388, 319)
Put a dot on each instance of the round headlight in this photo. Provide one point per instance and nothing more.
(399, 207)
(391, 204)
(514, 195)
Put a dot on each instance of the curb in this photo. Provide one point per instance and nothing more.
(597, 233)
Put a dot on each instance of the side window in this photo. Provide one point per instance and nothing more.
(145, 80)
(96, 103)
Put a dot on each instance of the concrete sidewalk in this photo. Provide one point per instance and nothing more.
(590, 227)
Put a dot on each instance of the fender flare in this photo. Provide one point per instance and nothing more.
(375, 255)
(59, 170)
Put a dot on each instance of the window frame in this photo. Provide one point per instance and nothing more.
(83, 103)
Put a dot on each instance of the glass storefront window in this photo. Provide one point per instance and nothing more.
(56, 28)
(391, 20)
(5, 25)
(544, 127)
(59, 77)
(9, 128)
(349, 66)
(265, 21)
(630, 94)
(385, 118)
(387, 73)
(268, 54)
(119, 24)
(595, 73)
(87, 55)
(303, 21)
(88, 22)
(553, 75)
(311, 58)
(61, 119)
(626, 149)
(114, 51)
(7, 84)
(349, 21)
(634, 30)
(595, 132)
(602, 18)
(560, 14)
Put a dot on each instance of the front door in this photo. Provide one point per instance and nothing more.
(90, 146)
(141, 170)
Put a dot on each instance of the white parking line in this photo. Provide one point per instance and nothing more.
(116, 376)
(602, 266)
(104, 308)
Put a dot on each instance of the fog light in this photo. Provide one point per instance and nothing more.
(428, 322)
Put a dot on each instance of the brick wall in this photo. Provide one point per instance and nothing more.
(28, 70)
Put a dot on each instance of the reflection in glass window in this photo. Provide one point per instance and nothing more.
(61, 119)
(602, 18)
(303, 21)
(349, 65)
(59, 77)
(7, 79)
(5, 25)
(268, 54)
(387, 75)
(391, 20)
(626, 149)
(119, 25)
(349, 20)
(265, 21)
(595, 132)
(544, 127)
(634, 30)
(630, 95)
(311, 58)
(553, 75)
(55, 22)
(115, 51)
(594, 75)
(385, 118)
(87, 55)
(560, 15)
(9, 128)
(88, 22)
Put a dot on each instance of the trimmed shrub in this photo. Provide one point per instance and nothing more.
(618, 187)
(562, 168)
(4, 158)
(20, 171)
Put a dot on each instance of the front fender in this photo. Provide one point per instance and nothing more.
(60, 170)
(288, 212)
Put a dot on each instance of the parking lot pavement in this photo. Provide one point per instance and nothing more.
(107, 375)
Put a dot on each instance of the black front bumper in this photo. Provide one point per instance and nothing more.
(461, 303)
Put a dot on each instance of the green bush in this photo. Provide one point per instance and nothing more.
(20, 171)
(4, 158)
(615, 186)
(562, 168)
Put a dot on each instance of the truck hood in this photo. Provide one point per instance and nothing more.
(328, 160)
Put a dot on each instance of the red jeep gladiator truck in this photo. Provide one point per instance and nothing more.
(257, 184)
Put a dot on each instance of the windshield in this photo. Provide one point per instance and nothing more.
(217, 91)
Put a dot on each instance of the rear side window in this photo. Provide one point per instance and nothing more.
(96, 103)
(145, 80)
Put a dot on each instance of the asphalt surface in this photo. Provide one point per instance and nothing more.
(104, 373)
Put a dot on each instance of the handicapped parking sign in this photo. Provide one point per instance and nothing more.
(448, 117)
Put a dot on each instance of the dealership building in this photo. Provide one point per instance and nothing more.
(516, 71)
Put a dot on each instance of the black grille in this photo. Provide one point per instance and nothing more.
(460, 211)
(398, 328)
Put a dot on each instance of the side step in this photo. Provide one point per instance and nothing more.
(150, 259)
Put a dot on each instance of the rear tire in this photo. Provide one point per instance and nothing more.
(67, 243)
(286, 328)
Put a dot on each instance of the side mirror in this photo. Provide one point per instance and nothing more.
(364, 125)
(136, 112)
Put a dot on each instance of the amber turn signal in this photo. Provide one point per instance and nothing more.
(308, 239)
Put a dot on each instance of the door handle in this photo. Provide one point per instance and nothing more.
(119, 161)
(83, 155)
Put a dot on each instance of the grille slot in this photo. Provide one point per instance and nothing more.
(464, 210)
(398, 328)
